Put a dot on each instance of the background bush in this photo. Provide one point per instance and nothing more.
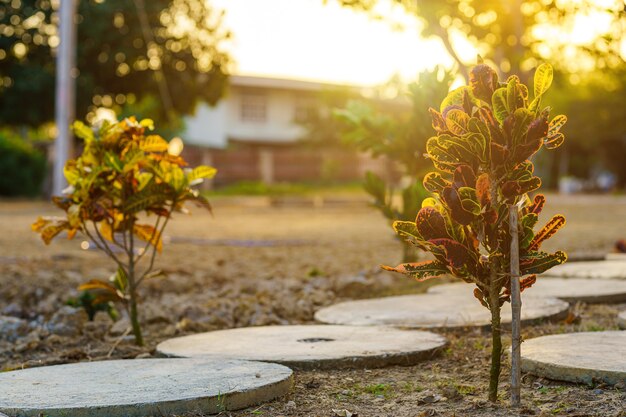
(22, 166)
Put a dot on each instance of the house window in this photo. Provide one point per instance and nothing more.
(253, 107)
(304, 110)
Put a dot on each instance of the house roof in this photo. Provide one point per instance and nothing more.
(283, 83)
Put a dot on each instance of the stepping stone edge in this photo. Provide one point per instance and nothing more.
(621, 320)
(586, 357)
(312, 347)
(280, 382)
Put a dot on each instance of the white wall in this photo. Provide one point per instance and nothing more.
(214, 126)
(208, 127)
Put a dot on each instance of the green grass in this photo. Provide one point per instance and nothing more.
(257, 188)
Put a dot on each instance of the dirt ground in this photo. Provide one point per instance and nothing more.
(256, 263)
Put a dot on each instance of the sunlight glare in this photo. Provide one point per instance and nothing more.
(308, 40)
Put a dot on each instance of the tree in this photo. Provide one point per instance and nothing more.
(171, 49)
(486, 134)
(515, 34)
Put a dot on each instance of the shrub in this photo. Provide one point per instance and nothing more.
(22, 167)
(486, 134)
(400, 136)
(123, 190)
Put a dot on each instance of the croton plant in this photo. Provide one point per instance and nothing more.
(486, 134)
(123, 190)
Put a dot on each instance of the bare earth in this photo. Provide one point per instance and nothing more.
(257, 264)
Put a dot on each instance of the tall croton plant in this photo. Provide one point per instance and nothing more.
(486, 134)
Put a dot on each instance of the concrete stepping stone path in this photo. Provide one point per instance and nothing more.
(577, 357)
(141, 387)
(433, 311)
(613, 269)
(621, 320)
(567, 289)
(311, 346)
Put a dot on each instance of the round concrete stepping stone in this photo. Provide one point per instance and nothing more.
(312, 346)
(621, 320)
(577, 357)
(432, 311)
(568, 289)
(615, 257)
(595, 269)
(141, 387)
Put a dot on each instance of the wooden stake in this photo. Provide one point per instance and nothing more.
(516, 308)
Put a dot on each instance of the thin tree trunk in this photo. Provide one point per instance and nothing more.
(516, 308)
(445, 38)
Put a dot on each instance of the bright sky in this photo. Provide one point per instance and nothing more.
(306, 39)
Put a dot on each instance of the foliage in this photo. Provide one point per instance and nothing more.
(486, 134)
(89, 302)
(517, 33)
(177, 56)
(400, 136)
(124, 189)
(22, 167)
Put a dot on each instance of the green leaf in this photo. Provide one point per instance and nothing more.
(407, 229)
(554, 142)
(434, 182)
(469, 201)
(512, 93)
(455, 97)
(83, 131)
(412, 197)
(113, 161)
(540, 262)
(155, 194)
(132, 158)
(543, 79)
(499, 103)
(375, 186)
(71, 172)
(154, 143)
(177, 178)
(421, 271)
(456, 121)
(200, 173)
(556, 124)
(522, 120)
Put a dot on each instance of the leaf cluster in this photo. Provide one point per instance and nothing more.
(486, 134)
(123, 189)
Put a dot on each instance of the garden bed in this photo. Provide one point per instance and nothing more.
(223, 286)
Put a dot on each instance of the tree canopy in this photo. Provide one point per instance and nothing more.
(170, 49)
(515, 34)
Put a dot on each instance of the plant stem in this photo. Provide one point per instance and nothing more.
(409, 254)
(496, 345)
(516, 308)
(134, 319)
(496, 353)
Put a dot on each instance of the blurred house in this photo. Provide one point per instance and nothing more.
(254, 134)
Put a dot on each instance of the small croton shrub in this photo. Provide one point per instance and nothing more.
(123, 190)
(486, 134)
